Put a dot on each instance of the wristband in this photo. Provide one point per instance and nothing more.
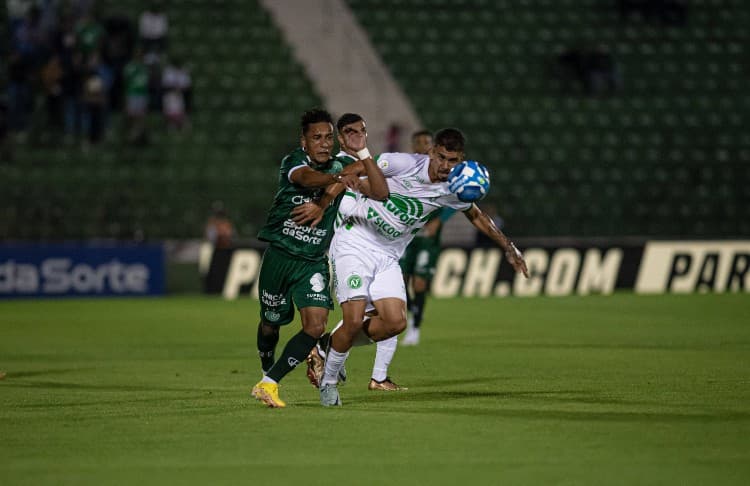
(364, 154)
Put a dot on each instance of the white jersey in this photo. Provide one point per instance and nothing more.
(389, 226)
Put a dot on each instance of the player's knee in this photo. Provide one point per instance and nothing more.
(396, 326)
(315, 328)
(268, 330)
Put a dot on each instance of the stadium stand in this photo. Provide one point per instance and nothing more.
(248, 95)
(665, 154)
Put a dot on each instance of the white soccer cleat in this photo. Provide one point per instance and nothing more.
(411, 338)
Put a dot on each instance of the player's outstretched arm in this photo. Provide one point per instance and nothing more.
(308, 177)
(485, 224)
(311, 213)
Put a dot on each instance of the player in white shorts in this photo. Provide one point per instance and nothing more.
(352, 129)
(366, 249)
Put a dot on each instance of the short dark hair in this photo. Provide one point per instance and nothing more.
(348, 119)
(419, 133)
(450, 138)
(316, 115)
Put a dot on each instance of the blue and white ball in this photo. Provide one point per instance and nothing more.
(469, 181)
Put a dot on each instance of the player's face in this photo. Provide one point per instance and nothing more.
(318, 141)
(442, 161)
(353, 137)
(421, 144)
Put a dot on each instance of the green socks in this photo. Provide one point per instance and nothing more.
(295, 352)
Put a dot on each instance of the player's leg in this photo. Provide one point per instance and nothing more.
(282, 282)
(275, 305)
(389, 300)
(424, 270)
(268, 338)
(311, 292)
(299, 346)
(416, 310)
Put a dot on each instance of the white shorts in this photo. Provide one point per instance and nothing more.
(361, 273)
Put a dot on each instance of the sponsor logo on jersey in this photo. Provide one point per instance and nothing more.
(272, 300)
(407, 209)
(305, 234)
(298, 199)
(354, 281)
(317, 282)
(272, 316)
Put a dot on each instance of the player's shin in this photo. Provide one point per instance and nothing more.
(268, 337)
(383, 356)
(295, 352)
(334, 363)
(417, 308)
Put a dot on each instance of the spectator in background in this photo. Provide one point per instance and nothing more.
(96, 85)
(153, 27)
(136, 98)
(393, 138)
(219, 229)
(51, 77)
(119, 44)
(176, 84)
(421, 141)
(19, 93)
(73, 70)
(89, 35)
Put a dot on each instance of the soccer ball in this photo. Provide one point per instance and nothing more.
(469, 181)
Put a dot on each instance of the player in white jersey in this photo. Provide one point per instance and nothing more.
(349, 127)
(366, 251)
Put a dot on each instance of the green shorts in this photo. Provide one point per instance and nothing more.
(420, 258)
(285, 281)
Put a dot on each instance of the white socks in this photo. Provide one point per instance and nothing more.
(334, 363)
(383, 356)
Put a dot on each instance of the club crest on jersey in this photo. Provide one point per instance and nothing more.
(354, 281)
(272, 316)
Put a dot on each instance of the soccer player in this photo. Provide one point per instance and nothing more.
(348, 125)
(421, 142)
(420, 258)
(375, 234)
(294, 270)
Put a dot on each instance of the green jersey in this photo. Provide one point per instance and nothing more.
(136, 79)
(299, 240)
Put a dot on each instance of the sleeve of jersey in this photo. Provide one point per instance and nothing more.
(289, 165)
(393, 164)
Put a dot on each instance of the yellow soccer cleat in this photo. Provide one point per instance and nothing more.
(385, 385)
(268, 393)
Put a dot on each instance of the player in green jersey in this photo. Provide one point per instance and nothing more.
(294, 270)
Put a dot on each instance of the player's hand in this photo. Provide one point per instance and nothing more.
(354, 140)
(350, 180)
(307, 214)
(515, 258)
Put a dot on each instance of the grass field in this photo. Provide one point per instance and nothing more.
(595, 390)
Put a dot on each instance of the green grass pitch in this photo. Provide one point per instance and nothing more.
(623, 389)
